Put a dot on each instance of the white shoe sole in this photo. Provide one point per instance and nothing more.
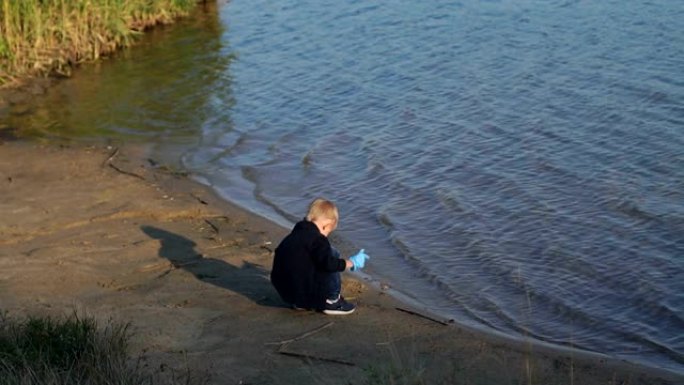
(338, 312)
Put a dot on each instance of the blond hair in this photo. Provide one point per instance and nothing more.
(322, 208)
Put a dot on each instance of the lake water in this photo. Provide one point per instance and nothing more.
(517, 166)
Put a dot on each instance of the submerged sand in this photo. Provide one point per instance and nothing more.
(104, 231)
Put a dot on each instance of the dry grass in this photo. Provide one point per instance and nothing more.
(73, 350)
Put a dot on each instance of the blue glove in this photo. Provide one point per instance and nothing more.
(359, 260)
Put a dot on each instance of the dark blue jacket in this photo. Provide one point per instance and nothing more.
(303, 258)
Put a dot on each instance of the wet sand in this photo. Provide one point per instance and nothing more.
(104, 231)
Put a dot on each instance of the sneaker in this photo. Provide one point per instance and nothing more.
(338, 307)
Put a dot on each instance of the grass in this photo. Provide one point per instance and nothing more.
(72, 350)
(399, 369)
(41, 37)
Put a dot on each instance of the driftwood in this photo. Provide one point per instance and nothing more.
(427, 317)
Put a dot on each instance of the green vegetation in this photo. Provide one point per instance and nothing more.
(74, 351)
(50, 36)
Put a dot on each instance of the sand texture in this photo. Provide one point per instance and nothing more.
(105, 232)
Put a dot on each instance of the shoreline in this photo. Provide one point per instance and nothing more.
(405, 300)
(117, 237)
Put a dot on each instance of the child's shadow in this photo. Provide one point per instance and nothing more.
(249, 280)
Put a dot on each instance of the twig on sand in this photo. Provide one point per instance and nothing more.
(312, 357)
(284, 343)
(213, 226)
(111, 156)
(108, 162)
(175, 266)
(199, 199)
(126, 172)
(442, 322)
(307, 334)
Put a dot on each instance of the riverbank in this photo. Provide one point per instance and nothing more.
(39, 38)
(107, 232)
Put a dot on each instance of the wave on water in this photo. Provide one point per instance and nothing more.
(516, 166)
(502, 165)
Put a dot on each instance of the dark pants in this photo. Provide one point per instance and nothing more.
(332, 282)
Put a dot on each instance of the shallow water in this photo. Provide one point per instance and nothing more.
(515, 165)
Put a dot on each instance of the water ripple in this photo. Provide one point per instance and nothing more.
(518, 166)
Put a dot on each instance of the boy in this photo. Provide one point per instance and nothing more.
(306, 269)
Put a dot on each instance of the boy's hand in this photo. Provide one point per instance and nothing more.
(359, 260)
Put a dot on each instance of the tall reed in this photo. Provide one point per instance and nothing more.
(40, 37)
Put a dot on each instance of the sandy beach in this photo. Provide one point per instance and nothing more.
(105, 231)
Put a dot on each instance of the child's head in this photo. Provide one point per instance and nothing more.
(324, 214)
